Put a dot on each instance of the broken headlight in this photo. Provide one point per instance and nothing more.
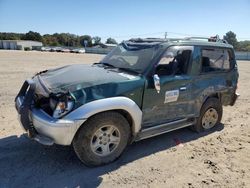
(62, 108)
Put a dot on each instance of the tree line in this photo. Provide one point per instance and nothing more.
(68, 39)
(238, 45)
(57, 39)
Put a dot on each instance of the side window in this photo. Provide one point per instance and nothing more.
(174, 61)
(215, 60)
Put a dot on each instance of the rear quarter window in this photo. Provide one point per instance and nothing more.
(215, 60)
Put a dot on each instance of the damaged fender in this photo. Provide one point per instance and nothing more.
(113, 103)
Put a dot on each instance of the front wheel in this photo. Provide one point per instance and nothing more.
(210, 115)
(102, 139)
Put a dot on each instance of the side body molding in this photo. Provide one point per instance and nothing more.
(113, 103)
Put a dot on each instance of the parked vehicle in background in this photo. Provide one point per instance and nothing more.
(142, 88)
(80, 50)
(73, 50)
(56, 49)
(45, 49)
(65, 50)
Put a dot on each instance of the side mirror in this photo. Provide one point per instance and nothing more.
(157, 83)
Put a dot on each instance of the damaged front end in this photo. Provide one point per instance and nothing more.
(45, 102)
(54, 104)
(41, 113)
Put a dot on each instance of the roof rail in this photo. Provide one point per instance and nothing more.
(154, 39)
(159, 40)
(210, 39)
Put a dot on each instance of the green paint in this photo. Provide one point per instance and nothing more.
(86, 83)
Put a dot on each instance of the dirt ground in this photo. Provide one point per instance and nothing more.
(219, 158)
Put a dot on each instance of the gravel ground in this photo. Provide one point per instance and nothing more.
(219, 158)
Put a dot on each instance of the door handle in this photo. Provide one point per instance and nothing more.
(184, 88)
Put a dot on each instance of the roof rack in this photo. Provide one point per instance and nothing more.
(151, 39)
(159, 40)
(211, 39)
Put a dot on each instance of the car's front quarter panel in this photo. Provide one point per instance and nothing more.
(108, 104)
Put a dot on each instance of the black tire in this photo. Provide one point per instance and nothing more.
(83, 139)
(213, 103)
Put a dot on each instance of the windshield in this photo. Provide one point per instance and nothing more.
(130, 57)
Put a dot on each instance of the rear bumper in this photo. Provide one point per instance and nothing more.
(39, 125)
(235, 97)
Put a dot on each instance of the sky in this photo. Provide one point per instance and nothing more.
(124, 19)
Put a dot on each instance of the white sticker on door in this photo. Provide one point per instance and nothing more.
(171, 96)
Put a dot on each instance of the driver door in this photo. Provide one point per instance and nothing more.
(174, 100)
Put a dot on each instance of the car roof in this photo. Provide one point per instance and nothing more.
(192, 41)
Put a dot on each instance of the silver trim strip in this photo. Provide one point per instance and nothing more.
(163, 125)
(156, 134)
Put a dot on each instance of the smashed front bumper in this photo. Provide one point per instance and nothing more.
(39, 125)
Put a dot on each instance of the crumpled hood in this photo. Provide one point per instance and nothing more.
(75, 77)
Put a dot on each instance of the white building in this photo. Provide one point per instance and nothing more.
(20, 45)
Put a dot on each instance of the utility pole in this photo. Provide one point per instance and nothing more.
(166, 34)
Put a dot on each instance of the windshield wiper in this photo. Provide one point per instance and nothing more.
(128, 70)
(105, 64)
(120, 68)
(109, 65)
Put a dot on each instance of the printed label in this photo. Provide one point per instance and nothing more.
(171, 96)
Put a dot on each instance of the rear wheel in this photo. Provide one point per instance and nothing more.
(209, 118)
(102, 139)
(210, 115)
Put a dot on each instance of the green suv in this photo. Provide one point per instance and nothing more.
(142, 88)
